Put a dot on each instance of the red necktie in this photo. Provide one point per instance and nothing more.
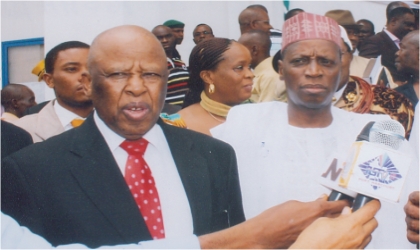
(142, 186)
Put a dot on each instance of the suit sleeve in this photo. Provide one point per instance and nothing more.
(236, 212)
(16, 196)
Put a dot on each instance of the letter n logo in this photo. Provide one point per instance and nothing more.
(333, 170)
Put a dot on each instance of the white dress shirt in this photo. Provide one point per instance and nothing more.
(14, 236)
(395, 39)
(176, 212)
(65, 116)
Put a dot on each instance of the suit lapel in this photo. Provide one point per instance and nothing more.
(48, 123)
(98, 175)
(193, 170)
(389, 43)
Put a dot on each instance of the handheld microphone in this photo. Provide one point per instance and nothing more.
(378, 168)
(337, 195)
(386, 133)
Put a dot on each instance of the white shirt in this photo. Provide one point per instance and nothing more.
(176, 212)
(65, 116)
(14, 236)
(395, 39)
(278, 162)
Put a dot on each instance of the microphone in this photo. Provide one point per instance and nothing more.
(337, 195)
(379, 168)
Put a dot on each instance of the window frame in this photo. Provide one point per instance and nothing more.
(5, 54)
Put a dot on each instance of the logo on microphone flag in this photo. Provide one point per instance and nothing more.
(380, 169)
(375, 170)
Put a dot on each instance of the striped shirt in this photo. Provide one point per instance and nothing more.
(177, 81)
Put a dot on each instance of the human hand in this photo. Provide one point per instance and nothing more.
(281, 225)
(347, 231)
(412, 217)
(277, 227)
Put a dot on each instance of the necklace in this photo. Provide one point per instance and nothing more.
(213, 107)
(215, 117)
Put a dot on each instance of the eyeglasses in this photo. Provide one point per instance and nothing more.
(204, 33)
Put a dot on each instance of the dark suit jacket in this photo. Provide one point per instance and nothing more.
(13, 139)
(381, 44)
(69, 188)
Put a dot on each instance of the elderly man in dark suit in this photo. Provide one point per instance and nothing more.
(400, 21)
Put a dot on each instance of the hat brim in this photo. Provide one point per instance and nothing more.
(353, 26)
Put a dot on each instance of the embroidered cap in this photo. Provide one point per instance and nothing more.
(308, 26)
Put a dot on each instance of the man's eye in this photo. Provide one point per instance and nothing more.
(299, 60)
(71, 69)
(326, 62)
(151, 77)
(117, 75)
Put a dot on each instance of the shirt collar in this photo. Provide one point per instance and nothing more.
(64, 115)
(392, 36)
(154, 136)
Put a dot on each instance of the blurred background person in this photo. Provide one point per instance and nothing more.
(400, 21)
(177, 28)
(407, 63)
(367, 29)
(16, 98)
(266, 80)
(178, 72)
(202, 32)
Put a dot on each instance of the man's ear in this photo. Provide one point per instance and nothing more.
(48, 80)
(254, 50)
(14, 103)
(281, 69)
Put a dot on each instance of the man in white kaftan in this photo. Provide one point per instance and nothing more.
(284, 149)
(278, 162)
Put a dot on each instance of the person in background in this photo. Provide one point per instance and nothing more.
(220, 78)
(356, 95)
(202, 32)
(266, 80)
(66, 72)
(16, 98)
(254, 17)
(367, 29)
(345, 19)
(178, 72)
(407, 63)
(177, 28)
(400, 21)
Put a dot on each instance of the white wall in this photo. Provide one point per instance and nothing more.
(22, 20)
(84, 20)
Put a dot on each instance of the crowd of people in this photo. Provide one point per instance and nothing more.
(141, 150)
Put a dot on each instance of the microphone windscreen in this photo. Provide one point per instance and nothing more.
(389, 132)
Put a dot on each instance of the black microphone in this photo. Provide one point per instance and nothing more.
(336, 195)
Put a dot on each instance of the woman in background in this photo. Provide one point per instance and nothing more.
(220, 78)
